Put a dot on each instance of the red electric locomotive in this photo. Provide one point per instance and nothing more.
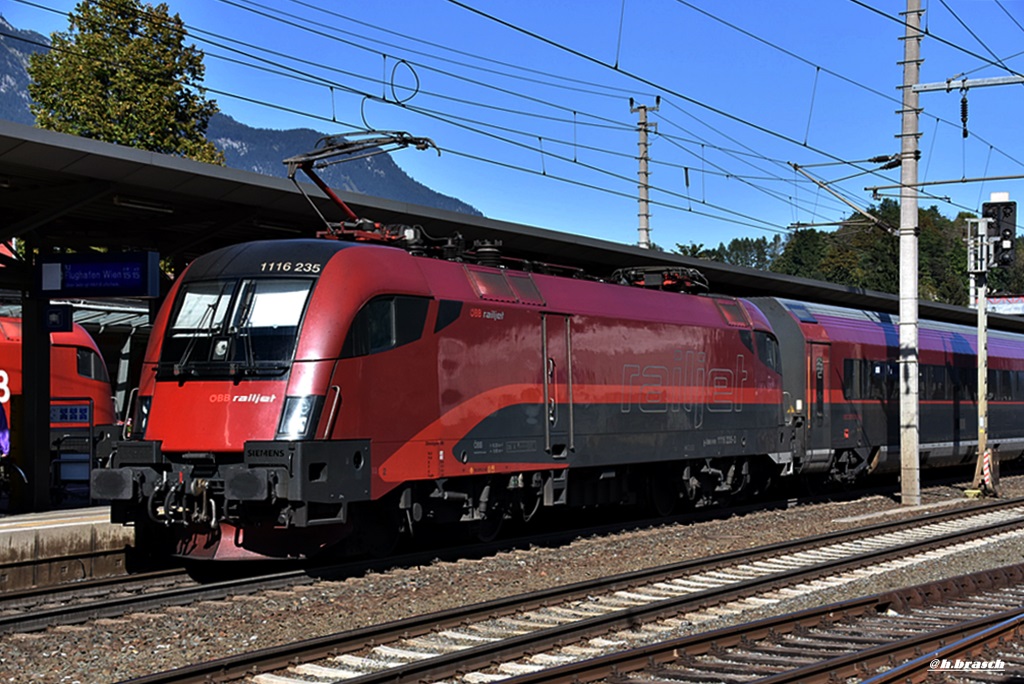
(300, 396)
(79, 384)
(298, 393)
(81, 402)
(295, 391)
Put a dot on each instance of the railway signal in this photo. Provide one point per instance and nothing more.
(1002, 230)
(991, 245)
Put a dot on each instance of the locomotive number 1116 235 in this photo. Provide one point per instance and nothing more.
(289, 267)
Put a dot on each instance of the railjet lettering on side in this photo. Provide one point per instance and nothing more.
(251, 398)
(255, 398)
(688, 385)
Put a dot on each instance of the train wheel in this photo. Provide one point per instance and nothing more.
(378, 529)
(662, 493)
(691, 488)
(488, 527)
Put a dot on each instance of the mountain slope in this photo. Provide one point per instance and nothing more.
(250, 149)
(263, 151)
(15, 47)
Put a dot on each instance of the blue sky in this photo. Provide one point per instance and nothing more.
(532, 112)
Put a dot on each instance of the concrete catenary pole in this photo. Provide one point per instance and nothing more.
(909, 387)
(644, 212)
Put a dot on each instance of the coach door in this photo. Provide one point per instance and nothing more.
(818, 395)
(556, 352)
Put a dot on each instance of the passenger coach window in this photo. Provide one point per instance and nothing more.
(385, 323)
(864, 379)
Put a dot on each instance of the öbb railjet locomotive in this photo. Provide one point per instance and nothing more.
(80, 392)
(301, 395)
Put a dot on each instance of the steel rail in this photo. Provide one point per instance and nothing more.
(1007, 625)
(277, 657)
(828, 669)
(111, 608)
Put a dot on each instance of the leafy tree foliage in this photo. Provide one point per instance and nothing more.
(803, 255)
(747, 252)
(122, 73)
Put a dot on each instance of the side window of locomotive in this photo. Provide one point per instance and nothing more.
(385, 323)
(747, 339)
(768, 350)
(380, 325)
(90, 365)
(448, 312)
(410, 318)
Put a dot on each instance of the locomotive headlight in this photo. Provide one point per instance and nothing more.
(141, 417)
(299, 417)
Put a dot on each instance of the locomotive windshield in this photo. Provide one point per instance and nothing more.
(234, 327)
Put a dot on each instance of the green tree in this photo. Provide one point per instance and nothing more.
(803, 254)
(122, 73)
(942, 251)
(757, 253)
(862, 254)
(695, 250)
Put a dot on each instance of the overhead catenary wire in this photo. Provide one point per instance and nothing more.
(643, 80)
(578, 116)
(233, 3)
(250, 2)
(281, 108)
(744, 219)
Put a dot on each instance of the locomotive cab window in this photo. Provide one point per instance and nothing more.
(235, 326)
(385, 323)
(90, 365)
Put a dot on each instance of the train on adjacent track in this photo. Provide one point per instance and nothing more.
(82, 409)
(304, 396)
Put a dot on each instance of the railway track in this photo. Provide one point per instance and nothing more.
(967, 628)
(526, 634)
(50, 604)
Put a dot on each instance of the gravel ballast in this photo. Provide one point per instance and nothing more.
(136, 645)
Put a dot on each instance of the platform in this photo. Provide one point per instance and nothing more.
(42, 549)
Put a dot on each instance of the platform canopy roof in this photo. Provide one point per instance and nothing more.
(65, 192)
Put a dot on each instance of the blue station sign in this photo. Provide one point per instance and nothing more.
(118, 274)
